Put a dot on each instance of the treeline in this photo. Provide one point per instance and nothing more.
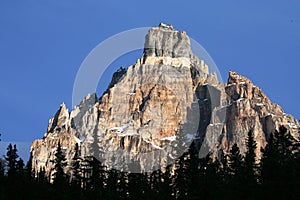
(232, 176)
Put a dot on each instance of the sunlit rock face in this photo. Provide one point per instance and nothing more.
(153, 110)
(246, 109)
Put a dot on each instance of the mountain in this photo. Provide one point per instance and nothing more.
(153, 110)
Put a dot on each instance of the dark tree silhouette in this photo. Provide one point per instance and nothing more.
(235, 161)
(30, 172)
(2, 168)
(228, 176)
(165, 187)
(279, 166)
(76, 177)
(137, 185)
(20, 167)
(250, 167)
(235, 178)
(11, 158)
(181, 177)
(224, 169)
(122, 186)
(250, 163)
(59, 177)
(97, 177)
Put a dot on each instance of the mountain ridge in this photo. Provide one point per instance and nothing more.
(167, 92)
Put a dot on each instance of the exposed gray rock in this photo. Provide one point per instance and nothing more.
(166, 42)
(247, 108)
(152, 110)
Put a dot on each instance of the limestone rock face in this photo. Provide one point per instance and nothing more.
(246, 108)
(165, 42)
(59, 131)
(155, 108)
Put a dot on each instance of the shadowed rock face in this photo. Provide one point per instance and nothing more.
(151, 112)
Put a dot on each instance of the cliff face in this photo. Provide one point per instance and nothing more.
(246, 109)
(152, 112)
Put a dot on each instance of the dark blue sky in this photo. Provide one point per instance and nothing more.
(43, 43)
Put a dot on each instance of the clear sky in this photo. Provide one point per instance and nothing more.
(43, 43)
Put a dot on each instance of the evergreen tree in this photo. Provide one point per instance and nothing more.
(29, 170)
(76, 177)
(279, 174)
(208, 177)
(251, 167)
(224, 170)
(60, 179)
(97, 177)
(235, 161)
(137, 185)
(16, 179)
(223, 174)
(236, 173)
(193, 172)
(41, 176)
(181, 177)
(249, 178)
(20, 167)
(11, 158)
(165, 188)
(122, 186)
(2, 168)
(3, 180)
(155, 181)
(111, 184)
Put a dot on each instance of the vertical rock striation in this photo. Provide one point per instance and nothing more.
(156, 107)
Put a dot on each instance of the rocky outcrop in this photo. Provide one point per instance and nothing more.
(58, 131)
(152, 111)
(246, 108)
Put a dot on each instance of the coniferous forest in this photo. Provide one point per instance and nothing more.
(232, 176)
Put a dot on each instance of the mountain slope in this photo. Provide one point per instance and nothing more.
(152, 111)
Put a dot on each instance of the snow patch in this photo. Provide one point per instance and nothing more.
(171, 156)
(120, 129)
(79, 140)
(171, 138)
(292, 125)
(127, 134)
(231, 84)
(226, 106)
(270, 114)
(153, 145)
(215, 124)
(240, 99)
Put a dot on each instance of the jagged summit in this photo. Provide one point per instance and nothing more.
(166, 41)
(163, 101)
(166, 26)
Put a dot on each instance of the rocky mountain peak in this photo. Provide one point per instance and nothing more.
(60, 119)
(153, 109)
(164, 41)
(239, 86)
(235, 78)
